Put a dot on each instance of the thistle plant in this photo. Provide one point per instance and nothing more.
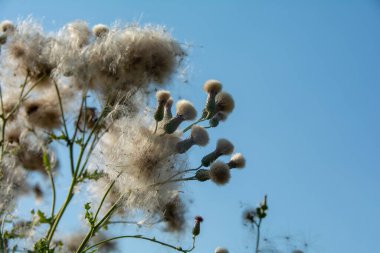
(89, 90)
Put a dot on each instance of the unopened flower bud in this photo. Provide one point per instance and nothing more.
(197, 225)
(202, 175)
(220, 173)
(264, 204)
(237, 161)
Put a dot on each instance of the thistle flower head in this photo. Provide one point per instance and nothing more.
(100, 30)
(221, 250)
(199, 135)
(197, 225)
(237, 161)
(220, 173)
(212, 86)
(224, 147)
(186, 109)
(162, 96)
(224, 102)
(7, 27)
(198, 218)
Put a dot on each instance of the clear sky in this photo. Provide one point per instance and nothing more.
(306, 79)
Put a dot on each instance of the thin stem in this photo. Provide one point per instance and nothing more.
(61, 211)
(23, 96)
(182, 172)
(61, 108)
(53, 193)
(105, 195)
(174, 180)
(155, 128)
(94, 228)
(258, 236)
(154, 240)
(196, 122)
(79, 116)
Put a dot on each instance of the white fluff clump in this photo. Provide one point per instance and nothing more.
(237, 161)
(100, 30)
(12, 184)
(7, 27)
(133, 57)
(108, 60)
(144, 160)
(29, 50)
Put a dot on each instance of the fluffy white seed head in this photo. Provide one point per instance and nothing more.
(224, 102)
(220, 173)
(237, 161)
(221, 250)
(212, 86)
(79, 33)
(7, 27)
(43, 113)
(100, 30)
(224, 147)
(186, 109)
(199, 135)
(162, 96)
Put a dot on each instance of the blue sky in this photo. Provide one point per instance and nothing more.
(306, 79)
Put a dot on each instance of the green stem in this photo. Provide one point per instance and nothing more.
(61, 211)
(196, 122)
(154, 240)
(105, 195)
(53, 193)
(61, 108)
(98, 225)
(258, 236)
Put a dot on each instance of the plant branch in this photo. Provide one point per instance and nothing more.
(153, 239)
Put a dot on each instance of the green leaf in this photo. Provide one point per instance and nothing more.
(89, 215)
(42, 217)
